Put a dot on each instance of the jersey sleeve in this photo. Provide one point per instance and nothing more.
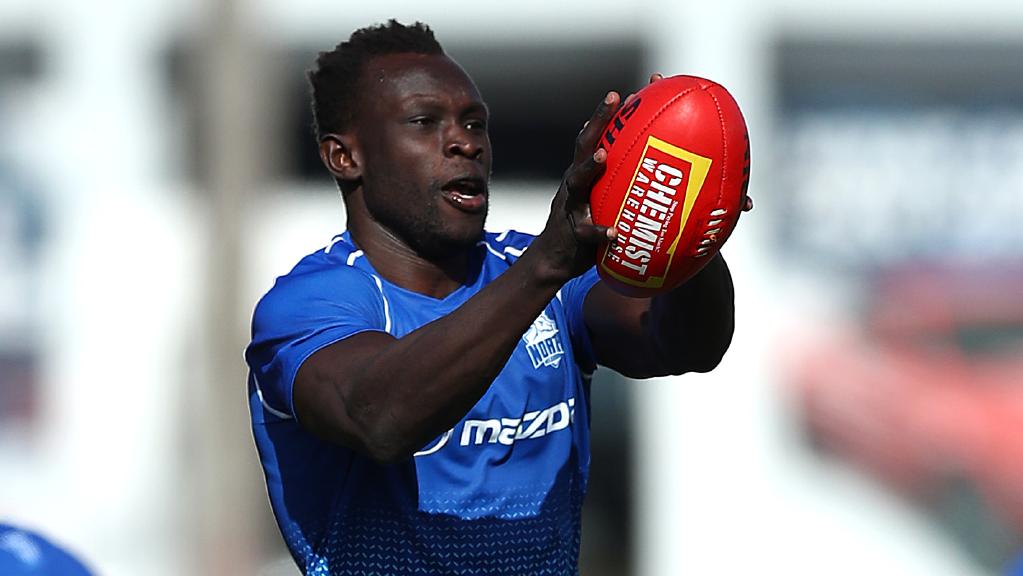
(573, 295)
(300, 315)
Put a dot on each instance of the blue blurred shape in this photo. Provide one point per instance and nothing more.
(25, 553)
(1016, 567)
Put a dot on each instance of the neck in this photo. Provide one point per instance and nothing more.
(403, 266)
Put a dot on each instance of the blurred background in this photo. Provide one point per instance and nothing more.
(157, 172)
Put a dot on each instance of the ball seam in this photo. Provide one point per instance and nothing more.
(724, 169)
(724, 144)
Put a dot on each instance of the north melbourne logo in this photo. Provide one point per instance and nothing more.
(542, 342)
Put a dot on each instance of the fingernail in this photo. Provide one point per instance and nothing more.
(609, 98)
(600, 155)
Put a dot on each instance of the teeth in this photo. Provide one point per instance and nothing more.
(464, 187)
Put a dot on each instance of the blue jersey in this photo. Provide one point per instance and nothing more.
(500, 493)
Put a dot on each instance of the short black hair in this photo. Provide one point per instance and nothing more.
(335, 79)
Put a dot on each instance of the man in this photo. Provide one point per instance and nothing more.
(419, 388)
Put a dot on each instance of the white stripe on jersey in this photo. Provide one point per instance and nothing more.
(355, 256)
(333, 241)
(269, 408)
(387, 308)
(491, 250)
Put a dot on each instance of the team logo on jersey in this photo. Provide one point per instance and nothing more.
(542, 342)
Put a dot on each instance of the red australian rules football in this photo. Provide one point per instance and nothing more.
(677, 172)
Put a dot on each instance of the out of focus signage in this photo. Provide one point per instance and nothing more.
(869, 186)
(888, 151)
(22, 216)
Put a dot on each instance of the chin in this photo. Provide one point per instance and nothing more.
(445, 247)
(448, 243)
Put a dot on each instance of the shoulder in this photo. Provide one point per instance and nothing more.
(319, 278)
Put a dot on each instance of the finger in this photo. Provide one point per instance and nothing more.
(594, 127)
(591, 233)
(588, 232)
(655, 77)
(747, 205)
(581, 176)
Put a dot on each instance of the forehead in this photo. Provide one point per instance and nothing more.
(399, 77)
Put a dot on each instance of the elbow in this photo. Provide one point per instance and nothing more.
(376, 434)
(388, 433)
(701, 358)
(709, 357)
(705, 362)
(696, 343)
(706, 354)
(386, 447)
(358, 422)
(684, 364)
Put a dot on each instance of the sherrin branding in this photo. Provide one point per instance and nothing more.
(676, 179)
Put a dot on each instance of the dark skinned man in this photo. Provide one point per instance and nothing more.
(419, 387)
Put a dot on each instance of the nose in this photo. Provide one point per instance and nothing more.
(465, 142)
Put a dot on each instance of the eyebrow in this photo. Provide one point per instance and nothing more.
(474, 106)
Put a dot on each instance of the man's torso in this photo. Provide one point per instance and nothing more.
(499, 493)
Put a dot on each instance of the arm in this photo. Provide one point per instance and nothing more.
(685, 330)
(387, 397)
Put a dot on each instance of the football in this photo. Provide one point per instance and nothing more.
(678, 165)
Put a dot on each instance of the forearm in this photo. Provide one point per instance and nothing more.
(414, 388)
(691, 327)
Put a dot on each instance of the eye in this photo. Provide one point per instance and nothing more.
(421, 120)
(476, 125)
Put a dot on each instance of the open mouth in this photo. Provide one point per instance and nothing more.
(468, 194)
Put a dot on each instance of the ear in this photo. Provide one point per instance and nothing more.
(336, 152)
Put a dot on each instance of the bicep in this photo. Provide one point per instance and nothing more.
(322, 393)
(618, 331)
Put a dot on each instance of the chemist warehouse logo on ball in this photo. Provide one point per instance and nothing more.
(667, 179)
